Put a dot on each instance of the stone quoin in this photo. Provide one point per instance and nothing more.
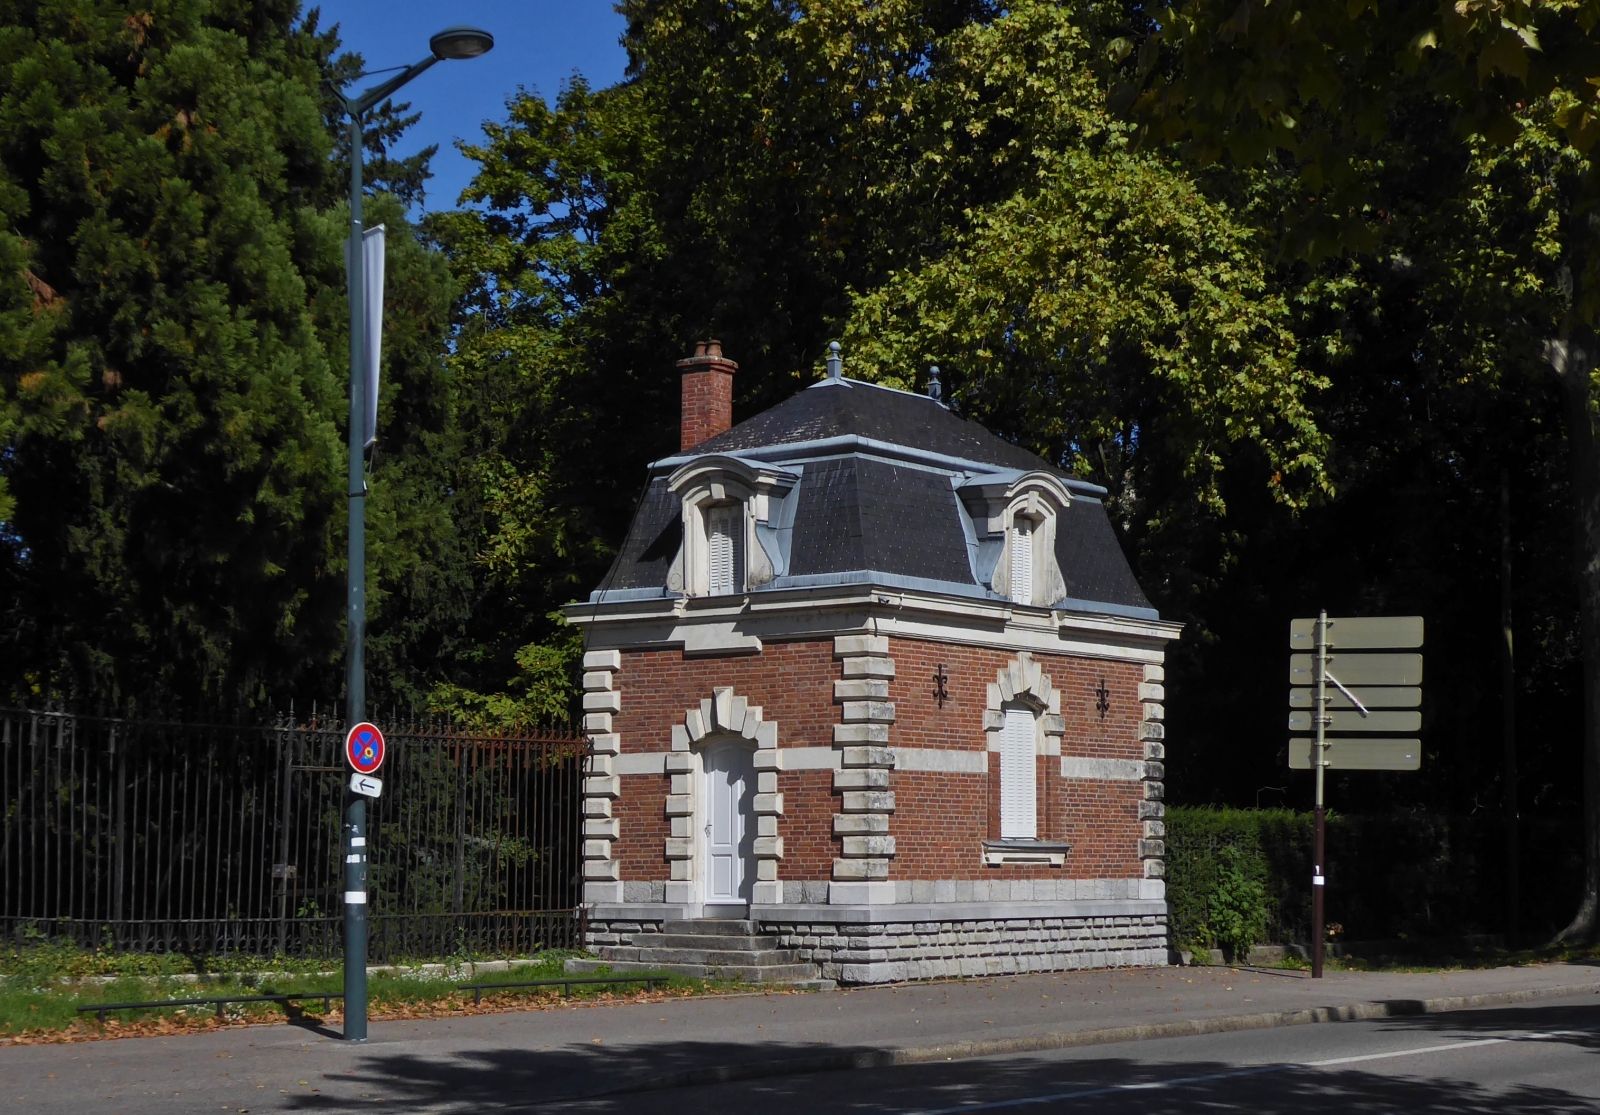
(872, 695)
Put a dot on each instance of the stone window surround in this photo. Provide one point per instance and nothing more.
(1024, 681)
(719, 479)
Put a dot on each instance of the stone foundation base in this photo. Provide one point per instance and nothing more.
(895, 951)
(620, 932)
(893, 943)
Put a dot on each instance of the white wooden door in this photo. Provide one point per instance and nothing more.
(729, 833)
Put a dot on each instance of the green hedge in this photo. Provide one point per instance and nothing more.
(1242, 876)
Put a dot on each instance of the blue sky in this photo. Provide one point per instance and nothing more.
(538, 45)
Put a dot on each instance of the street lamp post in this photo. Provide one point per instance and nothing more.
(452, 42)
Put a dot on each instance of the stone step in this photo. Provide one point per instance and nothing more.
(719, 927)
(751, 973)
(704, 941)
(696, 955)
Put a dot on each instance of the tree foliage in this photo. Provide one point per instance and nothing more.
(172, 359)
(1279, 276)
(1331, 96)
(934, 181)
(1108, 309)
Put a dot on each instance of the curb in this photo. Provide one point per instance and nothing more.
(840, 1060)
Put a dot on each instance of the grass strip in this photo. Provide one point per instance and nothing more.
(48, 1011)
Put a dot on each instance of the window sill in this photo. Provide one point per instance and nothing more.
(999, 852)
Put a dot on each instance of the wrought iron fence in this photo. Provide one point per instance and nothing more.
(208, 839)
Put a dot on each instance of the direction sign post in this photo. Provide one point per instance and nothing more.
(1357, 684)
(1319, 756)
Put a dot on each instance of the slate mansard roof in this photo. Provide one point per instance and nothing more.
(876, 503)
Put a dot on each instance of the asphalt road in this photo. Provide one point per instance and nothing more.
(1530, 1060)
(561, 1058)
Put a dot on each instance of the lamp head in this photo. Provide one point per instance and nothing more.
(461, 41)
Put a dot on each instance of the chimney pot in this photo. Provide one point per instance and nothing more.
(707, 394)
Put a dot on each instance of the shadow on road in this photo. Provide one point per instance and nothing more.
(630, 1078)
(1579, 1025)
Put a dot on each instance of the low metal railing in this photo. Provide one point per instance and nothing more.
(102, 1009)
(566, 985)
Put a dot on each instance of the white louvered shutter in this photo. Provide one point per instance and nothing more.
(724, 564)
(1018, 807)
(1022, 561)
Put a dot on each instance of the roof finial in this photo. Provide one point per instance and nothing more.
(835, 362)
(935, 392)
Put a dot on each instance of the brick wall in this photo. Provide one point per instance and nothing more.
(940, 818)
(707, 397)
(642, 811)
(793, 684)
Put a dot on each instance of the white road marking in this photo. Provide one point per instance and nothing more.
(1259, 1070)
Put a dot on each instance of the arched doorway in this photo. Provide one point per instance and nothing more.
(728, 847)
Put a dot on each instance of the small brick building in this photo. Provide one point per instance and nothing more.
(880, 683)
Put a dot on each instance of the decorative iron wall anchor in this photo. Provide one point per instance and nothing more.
(1102, 699)
(941, 691)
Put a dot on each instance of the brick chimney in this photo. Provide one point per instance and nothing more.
(707, 394)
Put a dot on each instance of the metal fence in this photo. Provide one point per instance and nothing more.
(210, 839)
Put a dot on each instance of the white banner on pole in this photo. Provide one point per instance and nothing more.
(372, 245)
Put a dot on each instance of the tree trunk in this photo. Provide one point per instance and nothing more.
(1571, 359)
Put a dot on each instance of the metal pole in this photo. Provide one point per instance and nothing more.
(454, 42)
(1317, 876)
(118, 878)
(1508, 715)
(285, 816)
(355, 810)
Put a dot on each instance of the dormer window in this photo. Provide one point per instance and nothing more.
(724, 549)
(1014, 516)
(735, 523)
(1022, 560)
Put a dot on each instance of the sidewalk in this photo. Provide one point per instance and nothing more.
(491, 1061)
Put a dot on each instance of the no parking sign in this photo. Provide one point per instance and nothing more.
(363, 747)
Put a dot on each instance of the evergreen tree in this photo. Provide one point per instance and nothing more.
(173, 363)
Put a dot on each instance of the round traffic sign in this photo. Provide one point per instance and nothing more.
(363, 746)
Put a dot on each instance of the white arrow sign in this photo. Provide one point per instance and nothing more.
(366, 785)
(1360, 669)
(1370, 753)
(1364, 633)
(1349, 720)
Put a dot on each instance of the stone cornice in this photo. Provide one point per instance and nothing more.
(776, 615)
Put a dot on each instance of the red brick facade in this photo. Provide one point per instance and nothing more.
(818, 748)
(941, 818)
